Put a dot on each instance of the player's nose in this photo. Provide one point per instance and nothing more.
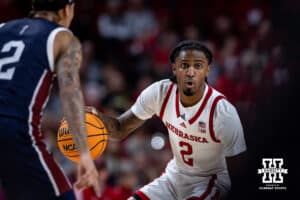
(190, 71)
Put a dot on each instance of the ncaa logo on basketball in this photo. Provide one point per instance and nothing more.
(272, 173)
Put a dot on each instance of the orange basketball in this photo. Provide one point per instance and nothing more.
(96, 138)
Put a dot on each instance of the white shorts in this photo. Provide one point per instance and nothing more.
(178, 186)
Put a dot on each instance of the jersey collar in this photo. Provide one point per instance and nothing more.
(206, 95)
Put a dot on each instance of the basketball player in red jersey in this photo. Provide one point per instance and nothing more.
(205, 131)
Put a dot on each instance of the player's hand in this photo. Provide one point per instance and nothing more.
(92, 110)
(87, 174)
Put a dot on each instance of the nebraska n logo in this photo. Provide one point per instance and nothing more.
(272, 170)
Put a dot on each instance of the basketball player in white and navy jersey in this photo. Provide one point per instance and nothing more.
(205, 131)
(32, 51)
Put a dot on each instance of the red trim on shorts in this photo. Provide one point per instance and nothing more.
(196, 116)
(40, 99)
(58, 176)
(55, 171)
(142, 195)
(211, 119)
(163, 107)
(208, 189)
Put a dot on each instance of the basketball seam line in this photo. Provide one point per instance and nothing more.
(87, 136)
(97, 144)
(94, 125)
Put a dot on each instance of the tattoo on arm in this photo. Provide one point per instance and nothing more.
(70, 92)
(121, 127)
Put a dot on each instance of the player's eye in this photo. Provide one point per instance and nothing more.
(184, 66)
(198, 66)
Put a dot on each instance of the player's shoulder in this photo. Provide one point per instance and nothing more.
(216, 93)
(157, 90)
(45, 25)
(33, 23)
(65, 36)
(62, 40)
(33, 27)
(223, 105)
(165, 83)
(13, 21)
(161, 86)
(11, 25)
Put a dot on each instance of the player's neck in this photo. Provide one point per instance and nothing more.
(188, 101)
(47, 16)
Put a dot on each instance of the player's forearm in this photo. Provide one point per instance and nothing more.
(72, 106)
(119, 128)
(113, 127)
(71, 94)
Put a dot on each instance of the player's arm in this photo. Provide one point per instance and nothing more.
(229, 128)
(144, 108)
(237, 168)
(236, 165)
(120, 127)
(68, 56)
(68, 60)
(236, 158)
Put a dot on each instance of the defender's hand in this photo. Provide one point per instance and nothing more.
(87, 174)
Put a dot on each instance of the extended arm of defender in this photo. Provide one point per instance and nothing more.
(119, 128)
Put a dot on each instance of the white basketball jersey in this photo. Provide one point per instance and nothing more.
(202, 135)
(195, 147)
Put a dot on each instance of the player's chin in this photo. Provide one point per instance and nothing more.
(188, 92)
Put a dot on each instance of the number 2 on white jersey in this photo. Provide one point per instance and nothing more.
(19, 48)
(186, 152)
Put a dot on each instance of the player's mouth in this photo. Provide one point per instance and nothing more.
(189, 84)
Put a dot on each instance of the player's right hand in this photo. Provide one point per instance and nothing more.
(87, 175)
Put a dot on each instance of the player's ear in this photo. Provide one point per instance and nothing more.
(64, 12)
(69, 9)
(61, 15)
(65, 15)
(174, 68)
(208, 70)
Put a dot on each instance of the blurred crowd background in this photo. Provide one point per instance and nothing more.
(126, 46)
